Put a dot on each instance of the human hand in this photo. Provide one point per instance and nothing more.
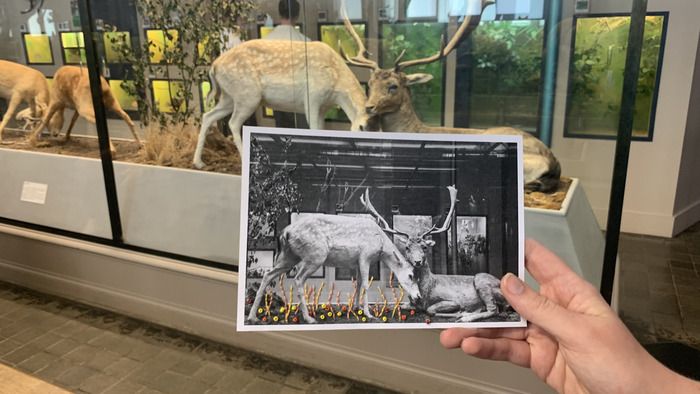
(574, 342)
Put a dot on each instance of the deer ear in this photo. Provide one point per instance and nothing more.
(430, 242)
(415, 79)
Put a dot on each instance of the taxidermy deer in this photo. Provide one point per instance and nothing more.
(465, 297)
(18, 84)
(302, 77)
(337, 241)
(390, 99)
(71, 89)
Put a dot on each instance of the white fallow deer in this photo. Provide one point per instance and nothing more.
(301, 77)
(21, 84)
(71, 89)
(337, 241)
(390, 99)
(465, 298)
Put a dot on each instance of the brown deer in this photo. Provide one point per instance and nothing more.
(302, 77)
(18, 84)
(466, 298)
(390, 99)
(71, 89)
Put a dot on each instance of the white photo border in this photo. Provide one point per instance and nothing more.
(245, 187)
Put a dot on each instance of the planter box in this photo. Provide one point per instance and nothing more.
(180, 211)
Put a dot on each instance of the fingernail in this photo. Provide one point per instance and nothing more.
(514, 284)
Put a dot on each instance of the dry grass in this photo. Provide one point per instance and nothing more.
(552, 200)
(174, 147)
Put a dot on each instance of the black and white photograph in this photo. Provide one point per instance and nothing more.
(378, 230)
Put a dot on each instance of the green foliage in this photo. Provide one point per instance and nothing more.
(203, 27)
(508, 57)
(272, 193)
(419, 40)
(597, 74)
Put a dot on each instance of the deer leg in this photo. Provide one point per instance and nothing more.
(305, 269)
(11, 109)
(267, 278)
(364, 286)
(449, 307)
(132, 127)
(70, 126)
(220, 111)
(239, 116)
(488, 288)
(314, 116)
(45, 121)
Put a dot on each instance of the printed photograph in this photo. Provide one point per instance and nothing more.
(354, 230)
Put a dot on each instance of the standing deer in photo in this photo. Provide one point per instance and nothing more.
(301, 77)
(71, 89)
(464, 297)
(18, 84)
(337, 241)
(390, 99)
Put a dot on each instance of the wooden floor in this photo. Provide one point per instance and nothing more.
(13, 381)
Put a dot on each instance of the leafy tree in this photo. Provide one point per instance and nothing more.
(202, 27)
(272, 194)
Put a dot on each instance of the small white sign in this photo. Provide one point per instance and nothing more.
(34, 192)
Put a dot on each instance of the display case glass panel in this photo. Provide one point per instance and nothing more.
(597, 70)
(512, 70)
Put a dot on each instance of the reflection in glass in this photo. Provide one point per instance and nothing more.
(166, 95)
(161, 42)
(127, 101)
(38, 49)
(73, 47)
(111, 43)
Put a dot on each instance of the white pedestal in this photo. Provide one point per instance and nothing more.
(572, 233)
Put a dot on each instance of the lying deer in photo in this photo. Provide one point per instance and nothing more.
(390, 99)
(21, 84)
(301, 77)
(71, 89)
(336, 241)
(465, 297)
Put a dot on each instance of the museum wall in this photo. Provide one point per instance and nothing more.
(654, 166)
(687, 207)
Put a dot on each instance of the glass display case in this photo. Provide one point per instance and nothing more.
(186, 76)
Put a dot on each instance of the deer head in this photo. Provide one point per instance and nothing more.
(389, 88)
(415, 248)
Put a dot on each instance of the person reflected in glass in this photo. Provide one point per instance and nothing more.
(287, 30)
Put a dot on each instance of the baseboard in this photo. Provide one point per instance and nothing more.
(163, 293)
(686, 217)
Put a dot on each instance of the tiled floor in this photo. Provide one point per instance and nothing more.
(660, 287)
(88, 350)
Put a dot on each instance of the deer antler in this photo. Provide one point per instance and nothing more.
(448, 219)
(361, 59)
(364, 199)
(468, 25)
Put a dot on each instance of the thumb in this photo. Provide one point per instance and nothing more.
(537, 308)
